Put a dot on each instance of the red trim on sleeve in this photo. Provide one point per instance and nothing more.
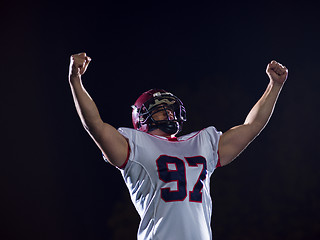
(125, 163)
(218, 163)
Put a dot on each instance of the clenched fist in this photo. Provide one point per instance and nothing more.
(78, 64)
(277, 72)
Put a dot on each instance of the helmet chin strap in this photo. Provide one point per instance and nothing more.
(169, 127)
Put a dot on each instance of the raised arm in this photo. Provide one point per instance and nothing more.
(113, 145)
(235, 140)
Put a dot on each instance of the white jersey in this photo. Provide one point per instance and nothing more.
(169, 183)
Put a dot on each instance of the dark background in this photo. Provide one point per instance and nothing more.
(55, 185)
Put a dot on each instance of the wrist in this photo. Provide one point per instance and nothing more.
(276, 84)
(275, 87)
(74, 77)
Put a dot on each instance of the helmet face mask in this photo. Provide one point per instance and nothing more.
(153, 102)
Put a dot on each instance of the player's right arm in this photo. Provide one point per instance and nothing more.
(113, 145)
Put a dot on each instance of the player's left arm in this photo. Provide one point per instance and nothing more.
(235, 140)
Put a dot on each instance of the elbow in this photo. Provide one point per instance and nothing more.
(256, 127)
(93, 128)
(86, 127)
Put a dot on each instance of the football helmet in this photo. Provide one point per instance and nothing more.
(154, 101)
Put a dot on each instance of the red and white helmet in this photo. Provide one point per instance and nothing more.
(153, 101)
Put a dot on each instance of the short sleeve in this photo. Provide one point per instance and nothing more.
(214, 137)
(129, 134)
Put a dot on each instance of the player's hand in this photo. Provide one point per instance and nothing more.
(78, 64)
(277, 72)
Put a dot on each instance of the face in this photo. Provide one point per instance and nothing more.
(162, 114)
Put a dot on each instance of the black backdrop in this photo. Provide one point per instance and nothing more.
(55, 184)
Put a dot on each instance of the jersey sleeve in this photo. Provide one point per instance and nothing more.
(129, 134)
(214, 137)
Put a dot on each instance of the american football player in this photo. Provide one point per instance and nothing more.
(168, 177)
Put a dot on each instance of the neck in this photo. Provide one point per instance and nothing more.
(161, 133)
